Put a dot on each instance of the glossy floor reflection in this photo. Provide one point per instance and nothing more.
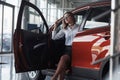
(7, 71)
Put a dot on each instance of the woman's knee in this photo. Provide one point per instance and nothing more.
(65, 57)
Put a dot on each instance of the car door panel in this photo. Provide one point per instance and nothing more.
(28, 56)
(35, 47)
(30, 48)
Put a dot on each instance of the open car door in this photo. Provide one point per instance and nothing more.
(31, 39)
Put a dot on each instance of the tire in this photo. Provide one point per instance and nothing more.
(105, 74)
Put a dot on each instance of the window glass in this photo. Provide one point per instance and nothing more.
(32, 1)
(93, 24)
(0, 27)
(53, 15)
(13, 2)
(79, 16)
(96, 19)
(31, 20)
(79, 19)
(43, 3)
(7, 29)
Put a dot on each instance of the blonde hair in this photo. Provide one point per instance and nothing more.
(72, 15)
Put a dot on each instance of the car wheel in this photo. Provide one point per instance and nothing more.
(105, 74)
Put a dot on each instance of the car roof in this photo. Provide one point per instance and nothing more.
(87, 6)
(92, 5)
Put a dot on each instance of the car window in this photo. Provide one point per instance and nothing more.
(93, 24)
(79, 18)
(32, 21)
(95, 18)
(80, 15)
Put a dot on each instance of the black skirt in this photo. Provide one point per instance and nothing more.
(68, 50)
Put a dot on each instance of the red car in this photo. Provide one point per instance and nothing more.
(37, 53)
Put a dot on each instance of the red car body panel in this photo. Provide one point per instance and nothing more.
(88, 48)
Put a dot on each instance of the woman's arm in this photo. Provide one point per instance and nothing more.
(58, 35)
(61, 33)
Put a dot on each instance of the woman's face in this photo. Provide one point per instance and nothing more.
(68, 18)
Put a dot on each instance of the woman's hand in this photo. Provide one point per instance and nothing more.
(64, 24)
(54, 26)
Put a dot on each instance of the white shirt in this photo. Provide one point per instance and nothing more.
(68, 33)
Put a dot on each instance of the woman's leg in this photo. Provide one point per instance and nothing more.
(61, 75)
(60, 71)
